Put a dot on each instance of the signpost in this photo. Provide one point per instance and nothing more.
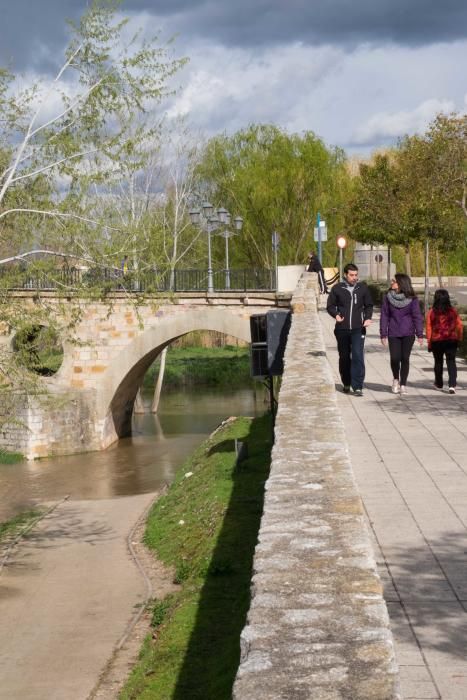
(321, 234)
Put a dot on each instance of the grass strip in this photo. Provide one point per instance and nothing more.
(10, 528)
(228, 365)
(206, 528)
(7, 457)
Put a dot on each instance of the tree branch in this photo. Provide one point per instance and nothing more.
(53, 165)
(30, 132)
(58, 214)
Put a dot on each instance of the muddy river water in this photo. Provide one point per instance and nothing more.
(138, 464)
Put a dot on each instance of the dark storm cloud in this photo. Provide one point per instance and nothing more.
(29, 26)
(33, 32)
(246, 23)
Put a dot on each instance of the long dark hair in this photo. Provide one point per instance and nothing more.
(442, 301)
(405, 284)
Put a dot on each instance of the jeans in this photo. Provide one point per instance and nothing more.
(448, 348)
(350, 344)
(399, 352)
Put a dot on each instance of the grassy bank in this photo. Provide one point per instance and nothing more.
(7, 457)
(229, 365)
(10, 528)
(206, 528)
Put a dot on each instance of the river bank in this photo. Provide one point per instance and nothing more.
(205, 529)
(228, 365)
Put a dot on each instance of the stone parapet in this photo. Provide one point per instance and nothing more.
(318, 626)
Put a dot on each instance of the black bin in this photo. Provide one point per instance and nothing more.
(269, 333)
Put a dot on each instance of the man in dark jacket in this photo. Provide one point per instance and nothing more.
(351, 305)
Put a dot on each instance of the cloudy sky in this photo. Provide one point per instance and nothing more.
(360, 73)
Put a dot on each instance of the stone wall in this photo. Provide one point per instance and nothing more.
(57, 423)
(318, 627)
(14, 417)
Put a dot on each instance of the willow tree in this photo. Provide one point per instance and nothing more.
(275, 181)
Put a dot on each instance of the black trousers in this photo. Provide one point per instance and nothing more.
(350, 345)
(440, 349)
(322, 282)
(399, 352)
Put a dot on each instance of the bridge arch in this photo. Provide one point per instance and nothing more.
(119, 385)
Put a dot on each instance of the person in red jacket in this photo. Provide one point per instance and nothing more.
(444, 331)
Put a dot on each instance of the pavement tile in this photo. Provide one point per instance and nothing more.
(416, 683)
(452, 683)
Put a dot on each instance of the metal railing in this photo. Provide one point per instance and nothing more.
(113, 279)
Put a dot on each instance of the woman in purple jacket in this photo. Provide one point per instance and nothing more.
(401, 320)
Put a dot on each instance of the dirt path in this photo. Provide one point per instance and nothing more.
(69, 592)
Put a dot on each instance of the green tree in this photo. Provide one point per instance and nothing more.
(431, 167)
(275, 181)
(377, 211)
(54, 169)
(447, 140)
(112, 82)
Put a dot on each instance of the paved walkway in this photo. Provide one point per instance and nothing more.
(67, 595)
(409, 456)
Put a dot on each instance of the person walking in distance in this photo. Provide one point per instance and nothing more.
(444, 331)
(400, 321)
(124, 265)
(351, 305)
(314, 265)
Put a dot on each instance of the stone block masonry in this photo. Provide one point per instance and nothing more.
(55, 423)
(108, 346)
(318, 626)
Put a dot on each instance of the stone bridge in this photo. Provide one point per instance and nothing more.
(88, 404)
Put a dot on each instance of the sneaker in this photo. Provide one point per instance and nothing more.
(346, 389)
(395, 386)
(438, 388)
(357, 392)
(452, 389)
(403, 389)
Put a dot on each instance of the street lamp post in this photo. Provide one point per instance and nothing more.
(211, 219)
(228, 233)
(341, 243)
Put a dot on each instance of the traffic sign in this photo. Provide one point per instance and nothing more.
(323, 232)
(275, 240)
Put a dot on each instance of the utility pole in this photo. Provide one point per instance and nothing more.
(275, 248)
